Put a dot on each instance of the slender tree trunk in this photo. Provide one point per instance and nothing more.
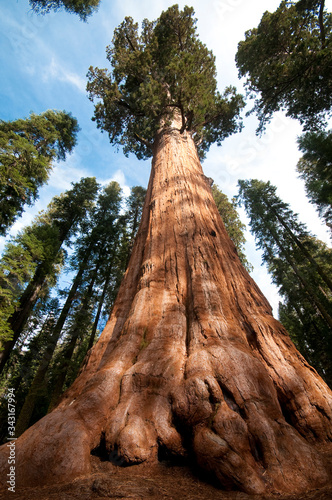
(100, 306)
(38, 380)
(30, 296)
(20, 316)
(191, 359)
(69, 350)
(304, 251)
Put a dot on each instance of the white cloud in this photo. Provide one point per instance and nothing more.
(119, 177)
(55, 71)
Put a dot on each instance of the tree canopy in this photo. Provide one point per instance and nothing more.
(162, 68)
(27, 149)
(84, 8)
(287, 60)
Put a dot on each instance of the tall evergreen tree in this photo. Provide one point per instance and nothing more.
(21, 257)
(151, 78)
(60, 222)
(25, 358)
(300, 266)
(287, 61)
(315, 168)
(28, 149)
(191, 359)
(84, 8)
(99, 241)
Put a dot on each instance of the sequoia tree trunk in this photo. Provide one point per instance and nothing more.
(191, 359)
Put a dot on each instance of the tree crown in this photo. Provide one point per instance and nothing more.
(162, 68)
(287, 59)
(27, 150)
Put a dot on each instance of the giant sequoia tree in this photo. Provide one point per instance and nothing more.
(191, 360)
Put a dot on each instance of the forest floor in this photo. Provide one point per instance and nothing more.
(157, 482)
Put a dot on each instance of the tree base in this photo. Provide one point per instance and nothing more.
(153, 482)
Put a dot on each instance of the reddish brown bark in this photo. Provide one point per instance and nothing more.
(191, 359)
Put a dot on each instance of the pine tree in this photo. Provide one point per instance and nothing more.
(28, 149)
(100, 237)
(300, 265)
(21, 257)
(234, 227)
(25, 358)
(315, 168)
(59, 222)
(191, 360)
(287, 63)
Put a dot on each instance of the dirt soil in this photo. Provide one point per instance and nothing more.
(151, 482)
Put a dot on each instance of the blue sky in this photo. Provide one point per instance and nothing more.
(44, 64)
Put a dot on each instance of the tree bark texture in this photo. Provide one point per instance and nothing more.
(191, 361)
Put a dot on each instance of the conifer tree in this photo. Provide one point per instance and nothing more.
(59, 222)
(300, 265)
(21, 257)
(25, 358)
(287, 63)
(28, 149)
(315, 168)
(100, 237)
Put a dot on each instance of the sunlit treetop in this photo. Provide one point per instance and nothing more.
(287, 62)
(161, 68)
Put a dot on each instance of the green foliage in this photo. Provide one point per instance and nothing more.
(235, 228)
(48, 355)
(20, 259)
(163, 68)
(135, 204)
(33, 259)
(84, 8)
(287, 59)
(27, 149)
(301, 267)
(315, 168)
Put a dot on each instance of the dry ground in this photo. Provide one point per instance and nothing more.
(157, 482)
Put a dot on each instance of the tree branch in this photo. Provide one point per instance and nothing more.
(182, 129)
(124, 104)
(209, 120)
(321, 23)
(143, 141)
(130, 43)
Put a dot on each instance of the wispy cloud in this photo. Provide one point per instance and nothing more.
(55, 71)
(119, 177)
